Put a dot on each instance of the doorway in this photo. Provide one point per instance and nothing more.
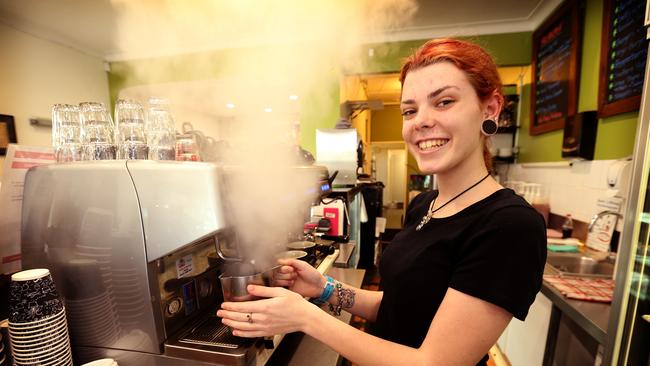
(389, 166)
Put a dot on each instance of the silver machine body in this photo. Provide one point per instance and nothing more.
(130, 245)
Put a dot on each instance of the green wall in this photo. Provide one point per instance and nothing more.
(616, 134)
(508, 49)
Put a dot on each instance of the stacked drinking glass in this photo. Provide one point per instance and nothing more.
(129, 133)
(98, 132)
(66, 133)
(37, 323)
(160, 130)
(87, 132)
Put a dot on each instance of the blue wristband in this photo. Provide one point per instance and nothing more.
(328, 290)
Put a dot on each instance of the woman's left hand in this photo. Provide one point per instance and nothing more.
(282, 312)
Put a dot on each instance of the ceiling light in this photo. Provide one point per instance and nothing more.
(230, 105)
(293, 97)
(268, 110)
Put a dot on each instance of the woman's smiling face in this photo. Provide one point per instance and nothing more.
(442, 115)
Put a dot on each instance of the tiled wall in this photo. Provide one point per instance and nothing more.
(573, 187)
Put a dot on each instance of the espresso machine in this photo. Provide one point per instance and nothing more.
(132, 246)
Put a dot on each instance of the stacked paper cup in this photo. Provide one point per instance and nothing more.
(86, 296)
(3, 355)
(37, 324)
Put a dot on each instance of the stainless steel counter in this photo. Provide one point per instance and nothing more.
(299, 349)
(593, 317)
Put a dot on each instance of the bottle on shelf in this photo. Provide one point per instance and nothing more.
(567, 227)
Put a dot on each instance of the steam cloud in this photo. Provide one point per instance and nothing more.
(268, 51)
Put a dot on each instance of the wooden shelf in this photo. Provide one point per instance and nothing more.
(499, 159)
(509, 129)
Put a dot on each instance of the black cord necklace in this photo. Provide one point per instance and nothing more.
(431, 211)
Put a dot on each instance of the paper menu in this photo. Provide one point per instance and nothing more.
(600, 236)
(17, 161)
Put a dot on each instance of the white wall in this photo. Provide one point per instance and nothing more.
(574, 189)
(35, 74)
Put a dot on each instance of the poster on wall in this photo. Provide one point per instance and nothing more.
(622, 57)
(556, 45)
(19, 159)
(7, 132)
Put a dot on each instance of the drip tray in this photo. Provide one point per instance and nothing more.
(211, 333)
(210, 340)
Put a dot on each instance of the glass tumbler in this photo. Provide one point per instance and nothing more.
(160, 130)
(129, 132)
(187, 148)
(66, 133)
(97, 132)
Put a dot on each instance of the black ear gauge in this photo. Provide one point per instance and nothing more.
(489, 127)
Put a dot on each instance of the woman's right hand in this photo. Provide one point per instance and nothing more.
(300, 277)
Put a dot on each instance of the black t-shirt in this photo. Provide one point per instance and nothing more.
(494, 250)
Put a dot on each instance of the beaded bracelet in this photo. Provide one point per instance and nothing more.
(336, 309)
(345, 299)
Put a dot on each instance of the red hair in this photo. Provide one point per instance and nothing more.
(478, 65)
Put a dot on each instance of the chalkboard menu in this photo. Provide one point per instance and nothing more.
(623, 57)
(555, 69)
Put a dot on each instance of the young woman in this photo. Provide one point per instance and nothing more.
(470, 256)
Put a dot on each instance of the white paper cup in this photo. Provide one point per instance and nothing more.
(66, 360)
(63, 353)
(42, 352)
(101, 362)
(37, 343)
(30, 274)
(57, 327)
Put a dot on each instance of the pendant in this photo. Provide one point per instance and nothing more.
(424, 221)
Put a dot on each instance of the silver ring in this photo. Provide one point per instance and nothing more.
(249, 317)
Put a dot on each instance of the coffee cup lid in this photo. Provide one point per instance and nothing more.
(30, 274)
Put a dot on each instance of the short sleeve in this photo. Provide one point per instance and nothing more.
(503, 262)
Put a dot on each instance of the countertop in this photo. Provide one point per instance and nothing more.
(299, 349)
(345, 252)
(593, 317)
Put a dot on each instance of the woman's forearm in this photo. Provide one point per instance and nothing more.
(359, 347)
(364, 303)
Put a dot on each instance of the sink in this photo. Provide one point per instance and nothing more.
(577, 264)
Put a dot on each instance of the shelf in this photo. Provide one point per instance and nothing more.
(509, 129)
(499, 159)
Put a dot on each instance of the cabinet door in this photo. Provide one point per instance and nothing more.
(502, 342)
(525, 341)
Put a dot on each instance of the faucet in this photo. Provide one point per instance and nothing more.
(601, 214)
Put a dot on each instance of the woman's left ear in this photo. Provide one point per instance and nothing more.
(492, 110)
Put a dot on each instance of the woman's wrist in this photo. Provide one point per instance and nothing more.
(327, 290)
(310, 318)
